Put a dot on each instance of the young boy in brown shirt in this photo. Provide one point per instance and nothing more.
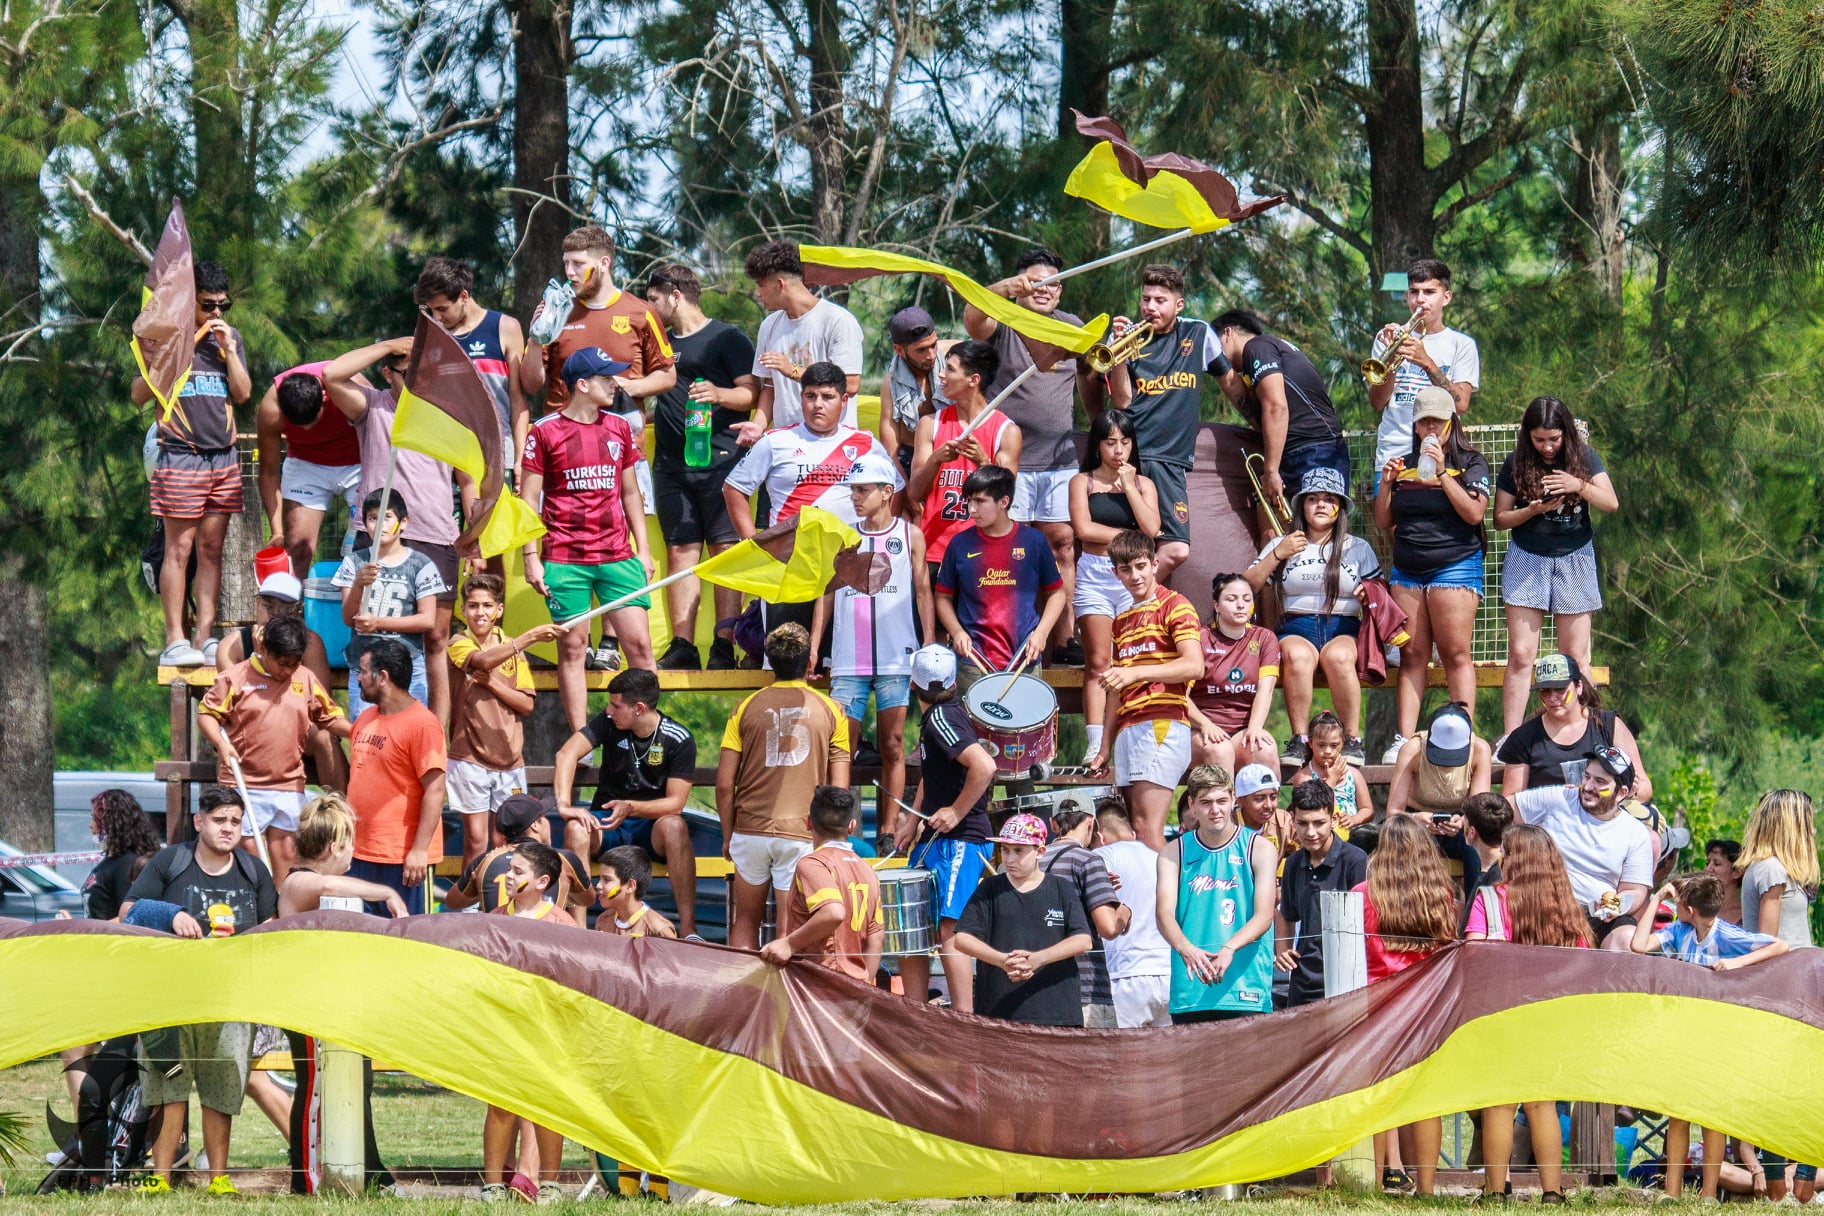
(836, 916)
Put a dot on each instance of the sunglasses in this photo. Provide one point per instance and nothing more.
(222, 305)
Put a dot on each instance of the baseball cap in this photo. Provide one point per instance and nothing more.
(590, 361)
(282, 587)
(909, 325)
(517, 815)
(1614, 762)
(933, 666)
(1254, 778)
(1434, 402)
(1447, 738)
(1322, 479)
(874, 468)
(1022, 829)
(1555, 671)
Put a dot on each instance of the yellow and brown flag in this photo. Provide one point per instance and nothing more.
(1166, 190)
(164, 333)
(445, 411)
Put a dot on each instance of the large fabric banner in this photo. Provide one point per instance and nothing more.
(798, 1086)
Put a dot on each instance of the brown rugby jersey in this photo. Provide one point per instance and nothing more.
(832, 872)
(483, 729)
(624, 328)
(1232, 671)
(268, 719)
(788, 734)
(1149, 632)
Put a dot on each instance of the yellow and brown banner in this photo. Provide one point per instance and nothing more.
(1166, 190)
(164, 332)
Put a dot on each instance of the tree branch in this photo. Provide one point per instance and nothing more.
(107, 221)
(1348, 236)
(1502, 130)
(1471, 198)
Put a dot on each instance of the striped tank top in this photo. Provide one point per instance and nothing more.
(1216, 898)
(875, 635)
(482, 346)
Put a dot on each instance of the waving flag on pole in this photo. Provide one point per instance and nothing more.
(795, 561)
(445, 411)
(164, 333)
(1162, 191)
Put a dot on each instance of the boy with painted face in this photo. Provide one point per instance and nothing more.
(621, 890)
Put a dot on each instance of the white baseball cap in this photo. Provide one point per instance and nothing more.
(282, 586)
(933, 666)
(874, 468)
(1254, 778)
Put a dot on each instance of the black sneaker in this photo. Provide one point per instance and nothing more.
(866, 754)
(1070, 654)
(681, 656)
(722, 655)
(1352, 751)
(1297, 751)
(606, 657)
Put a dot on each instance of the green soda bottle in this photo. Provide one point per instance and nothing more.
(696, 431)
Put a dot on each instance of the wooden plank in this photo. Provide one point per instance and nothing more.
(178, 825)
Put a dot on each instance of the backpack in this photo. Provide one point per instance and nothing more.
(243, 861)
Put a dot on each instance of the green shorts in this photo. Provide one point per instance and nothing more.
(576, 589)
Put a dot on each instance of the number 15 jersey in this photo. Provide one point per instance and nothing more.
(786, 737)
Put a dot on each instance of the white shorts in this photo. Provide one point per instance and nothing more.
(762, 859)
(1157, 751)
(272, 809)
(315, 486)
(1142, 1000)
(1098, 591)
(474, 790)
(1042, 496)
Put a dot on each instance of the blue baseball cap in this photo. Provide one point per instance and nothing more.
(590, 361)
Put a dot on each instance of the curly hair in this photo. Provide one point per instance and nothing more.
(1541, 908)
(122, 824)
(1411, 894)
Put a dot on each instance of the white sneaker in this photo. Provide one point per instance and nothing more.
(181, 654)
(55, 1157)
(209, 651)
(1392, 654)
(1392, 754)
(1495, 747)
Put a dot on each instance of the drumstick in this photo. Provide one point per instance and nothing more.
(1014, 675)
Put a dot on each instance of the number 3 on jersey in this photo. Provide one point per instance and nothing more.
(956, 506)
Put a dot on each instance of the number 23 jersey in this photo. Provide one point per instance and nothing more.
(786, 737)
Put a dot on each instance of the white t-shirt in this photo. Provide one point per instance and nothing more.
(1142, 949)
(1455, 354)
(828, 333)
(1301, 577)
(1599, 854)
(801, 468)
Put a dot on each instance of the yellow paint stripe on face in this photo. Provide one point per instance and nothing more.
(649, 1097)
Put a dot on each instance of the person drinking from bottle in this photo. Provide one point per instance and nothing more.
(576, 473)
(1434, 508)
(1231, 701)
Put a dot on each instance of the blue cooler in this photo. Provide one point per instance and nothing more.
(323, 612)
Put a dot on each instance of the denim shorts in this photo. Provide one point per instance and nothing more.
(1466, 573)
(851, 693)
(1319, 630)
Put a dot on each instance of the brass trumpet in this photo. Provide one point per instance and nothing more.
(1248, 462)
(1106, 355)
(1376, 371)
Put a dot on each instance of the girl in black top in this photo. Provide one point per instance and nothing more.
(117, 820)
(1570, 724)
(1109, 496)
(1433, 506)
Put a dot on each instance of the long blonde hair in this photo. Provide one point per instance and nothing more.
(1781, 828)
(1412, 896)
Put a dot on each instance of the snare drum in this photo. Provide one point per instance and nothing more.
(1018, 726)
(905, 904)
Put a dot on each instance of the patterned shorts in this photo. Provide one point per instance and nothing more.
(190, 485)
(1560, 585)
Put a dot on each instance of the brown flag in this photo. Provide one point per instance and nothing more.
(164, 333)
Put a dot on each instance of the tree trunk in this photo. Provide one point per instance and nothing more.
(28, 757)
(1086, 30)
(1400, 213)
(224, 166)
(542, 55)
(829, 56)
(20, 207)
(1598, 243)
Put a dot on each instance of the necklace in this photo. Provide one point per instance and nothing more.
(654, 753)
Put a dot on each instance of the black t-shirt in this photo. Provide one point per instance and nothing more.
(1557, 532)
(1545, 758)
(1428, 534)
(106, 886)
(1168, 391)
(1344, 867)
(491, 884)
(1009, 920)
(717, 353)
(1310, 417)
(946, 733)
(238, 898)
(637, 768)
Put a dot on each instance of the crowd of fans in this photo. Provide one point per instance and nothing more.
(992, 526)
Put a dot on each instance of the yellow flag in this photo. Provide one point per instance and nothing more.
(828, 265)
(803, 574)
(1167, 201)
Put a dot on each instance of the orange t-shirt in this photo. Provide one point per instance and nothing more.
(390, 756)
(832, 872)
(268, 720)
(1150, 632)
(623, 327)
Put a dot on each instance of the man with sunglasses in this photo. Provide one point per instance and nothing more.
(196, 483)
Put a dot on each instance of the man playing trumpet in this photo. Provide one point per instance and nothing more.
(1430, 354)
